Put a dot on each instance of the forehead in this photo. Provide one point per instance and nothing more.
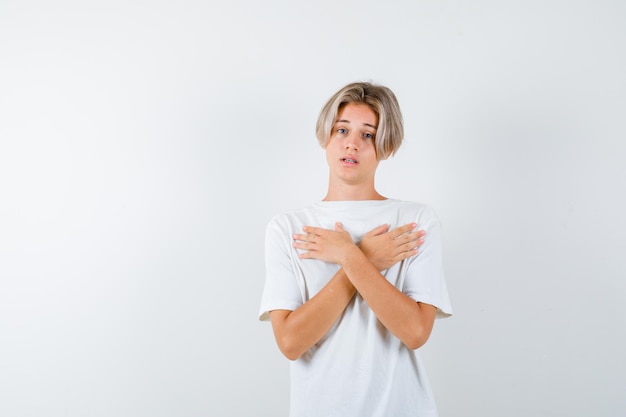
(358, 113)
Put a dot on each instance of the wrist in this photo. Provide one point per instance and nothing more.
(351, 255)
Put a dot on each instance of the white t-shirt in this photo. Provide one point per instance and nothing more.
(359, 368)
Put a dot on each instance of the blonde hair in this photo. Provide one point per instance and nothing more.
(381, 100)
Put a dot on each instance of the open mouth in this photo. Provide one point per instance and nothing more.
(349, 160)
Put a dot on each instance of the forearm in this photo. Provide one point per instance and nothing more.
(297, 331)
(407, 319)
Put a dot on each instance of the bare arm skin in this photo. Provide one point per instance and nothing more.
(410, 321)
(296, 331)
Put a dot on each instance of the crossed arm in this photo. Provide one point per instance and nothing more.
(296, 331)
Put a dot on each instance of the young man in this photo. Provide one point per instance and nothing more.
(355, 281)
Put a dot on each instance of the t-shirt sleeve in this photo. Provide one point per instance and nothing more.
(281, 290)
(425, 281)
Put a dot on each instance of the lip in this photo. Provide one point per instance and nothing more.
(349, 160)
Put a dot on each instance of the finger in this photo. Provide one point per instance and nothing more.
(378, 230)
(305, 246)
(307, 255)
(406, 254)
(305, 237)
(410, 247)
(405, 251)
(314, 230)
(399, 231)
(339, 227)
(415, 235)
(410, 237)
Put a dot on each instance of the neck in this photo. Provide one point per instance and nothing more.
(346, 192)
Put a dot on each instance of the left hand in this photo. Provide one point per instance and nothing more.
(323, 244)
(386, 248)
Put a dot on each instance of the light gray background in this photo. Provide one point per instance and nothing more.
(145, 145)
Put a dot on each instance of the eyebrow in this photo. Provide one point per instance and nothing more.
(348, 121)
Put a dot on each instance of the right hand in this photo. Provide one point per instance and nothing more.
(386, 248)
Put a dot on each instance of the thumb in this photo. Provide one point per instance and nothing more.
(378, 230)
(339, 227)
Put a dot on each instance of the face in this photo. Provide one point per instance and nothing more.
(351, 150)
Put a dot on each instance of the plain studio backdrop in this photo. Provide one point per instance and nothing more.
(144, 146)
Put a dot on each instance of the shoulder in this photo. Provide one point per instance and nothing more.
(420, 211)
(288, 214)
(290, 219)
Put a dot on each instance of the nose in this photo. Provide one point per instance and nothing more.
(351, 143)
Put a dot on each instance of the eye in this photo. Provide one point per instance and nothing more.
(368, 135)
(342, 130)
